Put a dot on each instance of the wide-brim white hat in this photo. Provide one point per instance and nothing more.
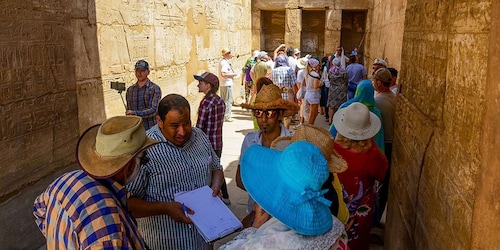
(302, 62)
(356, 122)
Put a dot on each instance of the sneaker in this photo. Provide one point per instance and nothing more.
(229, 120)
(226, 201)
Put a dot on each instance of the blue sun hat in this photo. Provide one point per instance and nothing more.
(287, 185)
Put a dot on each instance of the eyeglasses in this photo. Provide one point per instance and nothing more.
(268, 113)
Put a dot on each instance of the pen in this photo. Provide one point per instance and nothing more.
(185, 212)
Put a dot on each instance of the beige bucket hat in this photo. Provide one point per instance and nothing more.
(105, 149)
(321, 138)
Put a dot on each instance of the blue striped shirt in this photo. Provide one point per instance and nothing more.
(79, 212)
(144, 102)
(173, 169)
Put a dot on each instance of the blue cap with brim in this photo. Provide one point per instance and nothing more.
(141, 64)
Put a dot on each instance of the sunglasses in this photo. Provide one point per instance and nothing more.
(268, 113)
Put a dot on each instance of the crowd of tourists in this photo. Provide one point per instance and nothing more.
(308, 187)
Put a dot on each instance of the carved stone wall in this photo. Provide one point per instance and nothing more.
(37, 97)
(444, 172)
(38, 105)
(385, 33)
(177, 38)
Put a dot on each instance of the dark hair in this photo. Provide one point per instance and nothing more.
(386, 84)
(394, 72)
(213, 88)
(324, 60)
(263, 81)
(352, 58)
(289, 51)
(172, 102)
(324, 63)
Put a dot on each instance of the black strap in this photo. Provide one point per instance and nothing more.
(314, 76)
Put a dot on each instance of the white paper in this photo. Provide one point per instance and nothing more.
(212, 217)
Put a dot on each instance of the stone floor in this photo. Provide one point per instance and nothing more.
(233, 134)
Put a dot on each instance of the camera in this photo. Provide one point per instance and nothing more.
(120, 86)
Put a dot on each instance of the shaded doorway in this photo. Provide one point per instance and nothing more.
(312, 37)
(352, 33)
(273, 30)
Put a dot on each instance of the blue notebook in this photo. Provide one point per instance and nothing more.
(212, 217)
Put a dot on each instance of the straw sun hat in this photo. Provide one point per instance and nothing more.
(269, 97)
(287, 184)
(105, 149)
(356, 122)
(321, 138)
(225, 51)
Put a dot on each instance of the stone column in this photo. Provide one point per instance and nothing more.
(333, 24)
(256, 29)
(486, 210)
(293, 28)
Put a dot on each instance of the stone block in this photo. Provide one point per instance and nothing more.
(90, 102)
(17, 171)
(486, 209)
(408, 157)
(396, 226)
(431, 77)
(85, 49)
(428, 16)
(353, 4)
(470, 16)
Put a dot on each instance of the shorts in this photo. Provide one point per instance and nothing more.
(312, 97)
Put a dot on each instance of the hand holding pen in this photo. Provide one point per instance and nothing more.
(185, 210)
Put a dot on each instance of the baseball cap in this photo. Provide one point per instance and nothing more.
(383, 75)
(262, 54)
(141, 64)
(296, 51)
(207, 77)
(255, 53)
(379, 61)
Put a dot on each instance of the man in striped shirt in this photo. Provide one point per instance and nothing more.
(143, 96)
(184, 162)
(87, 209)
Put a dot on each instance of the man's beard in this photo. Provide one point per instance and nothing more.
(264, 130)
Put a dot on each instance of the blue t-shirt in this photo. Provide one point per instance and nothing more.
(355, 72)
